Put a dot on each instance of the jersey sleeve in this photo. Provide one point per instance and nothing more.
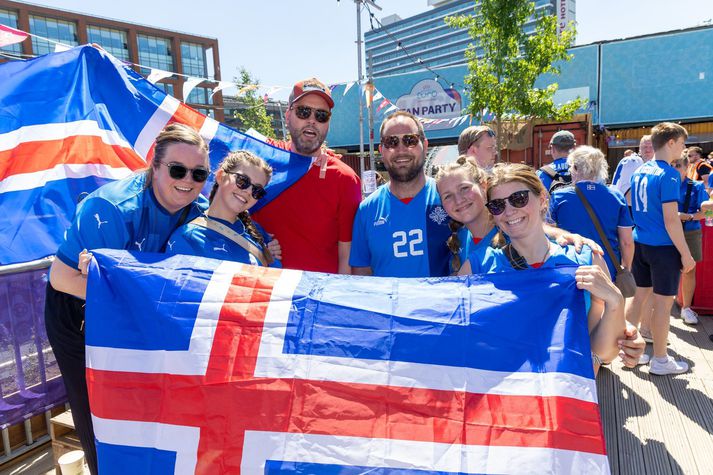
(185, 240)
(349, 199)
(670, 186)
(97, 224)
(360, 256)
(554, 205)
(625, 220)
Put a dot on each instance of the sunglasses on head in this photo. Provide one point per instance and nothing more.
(304, 113)
(179, 172)
(392, 141)
(243, 182)
(519, 199)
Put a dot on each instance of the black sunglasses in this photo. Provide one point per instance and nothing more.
(320, 115)
(243, 182)
(392, 141)
(179, 172)
(519, 199)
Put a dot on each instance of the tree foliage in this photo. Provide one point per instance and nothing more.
(254, 114)
(504, 61)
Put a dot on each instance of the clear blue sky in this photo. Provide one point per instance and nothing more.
(283, 41)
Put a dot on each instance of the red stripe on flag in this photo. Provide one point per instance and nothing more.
(32, 157)
(183, 115)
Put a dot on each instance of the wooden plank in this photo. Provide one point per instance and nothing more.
(629, 408)
(607, 384)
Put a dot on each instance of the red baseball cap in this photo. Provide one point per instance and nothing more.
(311, 86)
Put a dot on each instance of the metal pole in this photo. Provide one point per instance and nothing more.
(371, 118)
(361, 89)
(282, 120)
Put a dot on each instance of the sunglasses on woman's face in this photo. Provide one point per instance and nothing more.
(320, 115)
(519, 199)
(243, 182)
(392, 141)
(179, 172)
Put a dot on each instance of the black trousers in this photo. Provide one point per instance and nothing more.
(64, 315)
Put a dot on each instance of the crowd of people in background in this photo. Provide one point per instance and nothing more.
(636, 237)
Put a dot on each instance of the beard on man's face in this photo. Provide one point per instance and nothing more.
(405, 174)
(307, 139)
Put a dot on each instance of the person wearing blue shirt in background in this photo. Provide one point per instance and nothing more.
(558, 172)
(661, 252)
(137, 213)
(226, 230)
(589, 170)
(692, 202)
(401, 229)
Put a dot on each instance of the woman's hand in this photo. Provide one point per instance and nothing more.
(275, 249)
(85, 257)
(594, 280)
(631, 347)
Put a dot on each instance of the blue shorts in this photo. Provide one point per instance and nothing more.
(658, 267)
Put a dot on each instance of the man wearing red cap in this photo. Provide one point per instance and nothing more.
(313, 218)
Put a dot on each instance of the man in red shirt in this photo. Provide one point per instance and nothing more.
(313, 218)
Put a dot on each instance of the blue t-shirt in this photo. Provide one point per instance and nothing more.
(467, 246)
(560, 166)
(195, 240)
(402, 240)
(488, 260)
(122, 215)
(698, 196)
(653, 184)
(568, 211)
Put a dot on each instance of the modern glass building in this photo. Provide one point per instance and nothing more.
(408, 45)
(146, 46)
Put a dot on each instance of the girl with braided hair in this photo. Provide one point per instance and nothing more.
(462, 187)
(226, 230)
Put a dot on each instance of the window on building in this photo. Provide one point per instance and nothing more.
(193, 60)
(167, 88)
(9, 18)
(64, 32)
(154, 52)
(200, 95)
(208, 112)
(113, 41)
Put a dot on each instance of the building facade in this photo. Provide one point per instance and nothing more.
(147, 46)
(275, 110)
(409, 45)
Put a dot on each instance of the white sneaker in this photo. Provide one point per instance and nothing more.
(671, 366)
(644, 359)
(689, 316)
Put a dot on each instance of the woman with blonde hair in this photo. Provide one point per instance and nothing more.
(518, 201)
(226, 230)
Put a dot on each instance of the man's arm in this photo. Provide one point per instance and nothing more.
(565, 238)
(362, 271)
(343, 249)
(675, 232)
(626, 245)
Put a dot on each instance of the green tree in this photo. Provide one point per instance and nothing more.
(254, 114)
(504, 62)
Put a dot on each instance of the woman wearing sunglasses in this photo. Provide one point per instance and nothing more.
(137, 213)
(226, 230)
(517, 200)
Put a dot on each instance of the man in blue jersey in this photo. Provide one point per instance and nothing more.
(401, 229)
(628, 165)
(557, 172)
(661, 252)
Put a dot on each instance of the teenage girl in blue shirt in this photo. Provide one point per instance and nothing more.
(239, 183)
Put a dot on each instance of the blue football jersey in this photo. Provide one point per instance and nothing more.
(467, 246)
(653, 184)
(194, 240)
(402, 240)
(559, 165)
(698, 196)
(487, 260)
(123, 214)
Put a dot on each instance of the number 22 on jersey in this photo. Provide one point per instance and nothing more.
(407, 244)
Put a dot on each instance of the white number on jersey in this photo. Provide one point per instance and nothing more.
(641, 199)
(405, 244)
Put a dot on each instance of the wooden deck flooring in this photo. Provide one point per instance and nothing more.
(662, 424)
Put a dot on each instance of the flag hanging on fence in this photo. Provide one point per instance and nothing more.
(202, 366)
(72, 121)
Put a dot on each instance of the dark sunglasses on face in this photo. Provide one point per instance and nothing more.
(179, 172)
(519, 199)
(392, 141)
(320, 115)
(243, 182)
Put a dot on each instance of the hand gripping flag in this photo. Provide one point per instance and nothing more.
(72, 121)
(203, 366)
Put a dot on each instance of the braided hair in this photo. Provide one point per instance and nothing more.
(233, 160)
(478, 176)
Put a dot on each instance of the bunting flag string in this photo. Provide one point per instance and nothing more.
(10, 36)
(157, 74)
(188, 86)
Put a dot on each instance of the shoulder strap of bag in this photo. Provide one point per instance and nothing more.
(550, 171)
(687, 200)
(224, 230)
(600, 231)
